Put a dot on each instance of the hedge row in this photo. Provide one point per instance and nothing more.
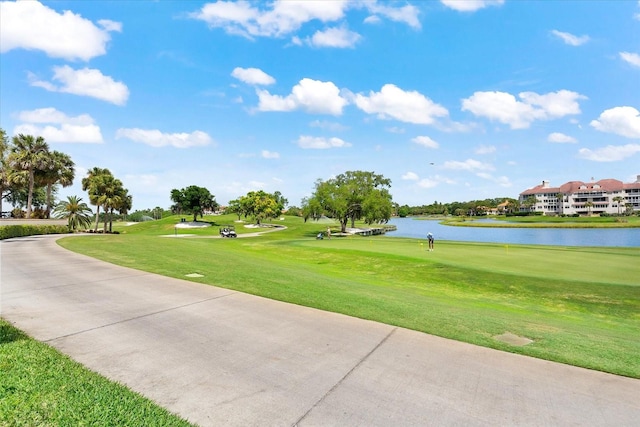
(524, 213)
(9, 231)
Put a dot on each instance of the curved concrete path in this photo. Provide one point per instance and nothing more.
(219, 357)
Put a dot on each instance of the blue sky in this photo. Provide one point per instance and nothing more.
(452, 100)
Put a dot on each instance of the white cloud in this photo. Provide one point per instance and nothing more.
(395, 129)
(427, 183)
(252, 76)
(321, 143)
(64, 133)
(312, 96)
(109, 25)
(561, 138)
(85, 82)
(570, 39)
(405, 106)
(505, 108)
(502, 181)
(32, 26)
(453, 126)
(55, 126)
(407, 14)
(51, 115)
(425, 141)
(281, 18)
(624, 121)
(610, 153)
(339, 37)
(554, 104)
(631, 58)
(332, 126)
(373, 19)
(156, 138)
(270, 154)
(470, 5)
(468, 165)
(485, 149)
(410, 176)
(433, 181)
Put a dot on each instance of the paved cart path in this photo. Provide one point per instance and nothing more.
(220, 357)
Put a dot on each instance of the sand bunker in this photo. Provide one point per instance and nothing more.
(513, 339)
(193, 224)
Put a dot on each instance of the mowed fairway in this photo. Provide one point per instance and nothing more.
(579, 306)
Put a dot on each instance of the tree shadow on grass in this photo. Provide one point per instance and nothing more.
(9, 334)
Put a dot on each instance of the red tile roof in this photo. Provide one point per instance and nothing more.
(608, 185)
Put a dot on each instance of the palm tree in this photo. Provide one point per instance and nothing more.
(530, 202)
(29, 154)
(75, 211)
(92, 183)
(618, 199)
(60, 171)
(589, 205)
(110, 197)
(5, 183)
(560, 206)
(126, 202)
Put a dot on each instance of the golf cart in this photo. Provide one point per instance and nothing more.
(228, 231)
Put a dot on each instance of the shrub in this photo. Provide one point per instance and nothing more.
(10, 231)
(39, 213)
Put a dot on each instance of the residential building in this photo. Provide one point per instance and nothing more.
(583, 198)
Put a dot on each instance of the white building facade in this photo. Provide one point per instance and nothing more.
(608, 196)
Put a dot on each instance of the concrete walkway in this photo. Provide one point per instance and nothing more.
(219, 357)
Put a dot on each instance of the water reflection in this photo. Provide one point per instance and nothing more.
(408, 227)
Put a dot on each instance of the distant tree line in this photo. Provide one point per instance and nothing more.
(469, 208)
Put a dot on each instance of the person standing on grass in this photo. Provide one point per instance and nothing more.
(430, 238)
(328, 232)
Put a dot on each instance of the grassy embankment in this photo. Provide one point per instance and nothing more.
(41, 387)
(545, 221)
(579, 305)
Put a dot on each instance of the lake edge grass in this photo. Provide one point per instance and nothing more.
(540, 222)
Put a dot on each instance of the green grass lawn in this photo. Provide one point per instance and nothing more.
(580, 306)
(41, 387)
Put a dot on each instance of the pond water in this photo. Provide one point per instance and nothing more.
(409, 227)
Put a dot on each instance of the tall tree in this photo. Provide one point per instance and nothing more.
(235, 207)
(618, 200)
(93, 184)
(354, 195)
(560, 202)
(260, 205)
(29, 154)
(193, 200)
(5, 173)
(530, 202)
(111, 197)
(59, 171)
(589, 205)
(311, 209)
(123, 207)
